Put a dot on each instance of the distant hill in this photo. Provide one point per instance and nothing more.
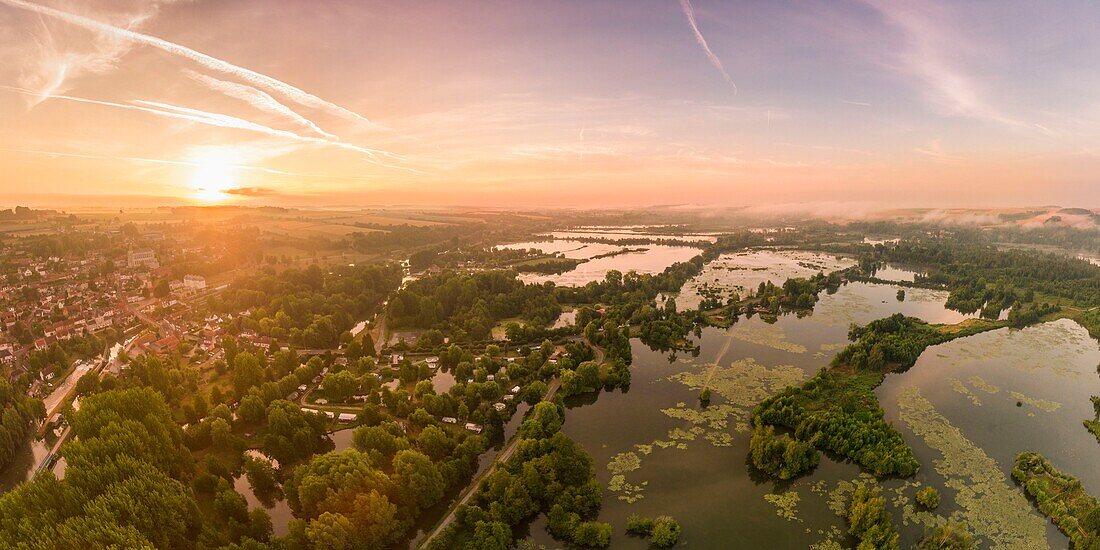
(1076, 211)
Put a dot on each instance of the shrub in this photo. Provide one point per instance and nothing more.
(929, 498)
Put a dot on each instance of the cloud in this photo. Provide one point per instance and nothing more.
(933, 55)
(254, 78)
(258, 99)
(54, 56)
(689, 13)
(251, 191)
(224, 121)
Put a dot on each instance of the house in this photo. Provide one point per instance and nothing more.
(476, 428)
(499, 406)
(142, 257)
(346, 417)
(450, 420)
(515, 389)
(194, 283)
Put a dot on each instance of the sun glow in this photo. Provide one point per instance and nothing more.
(213, 175)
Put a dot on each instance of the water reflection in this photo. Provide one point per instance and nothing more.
(689, 461)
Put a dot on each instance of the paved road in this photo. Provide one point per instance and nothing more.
(473, 487)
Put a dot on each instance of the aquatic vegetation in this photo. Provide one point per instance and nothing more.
(624, 462)
(1061, 497)
(959, 387)
(766, 334)
(980, 383)
(785, 504)
(1041, 404)
(838, 408)
(744, 271)
(988, 502)
(841, 411)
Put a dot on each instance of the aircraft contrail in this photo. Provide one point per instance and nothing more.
(252, 77)
(258, 99)
(223, 121)
(689, 12)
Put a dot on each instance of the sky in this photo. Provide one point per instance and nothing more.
(563, 104)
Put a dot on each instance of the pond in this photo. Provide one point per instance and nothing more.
(648, 258)
(744, 271)
(275, 505)
(657, 451)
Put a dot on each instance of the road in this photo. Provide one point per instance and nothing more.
(504, 454)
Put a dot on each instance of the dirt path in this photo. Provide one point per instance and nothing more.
(721, 355)
(473, 487)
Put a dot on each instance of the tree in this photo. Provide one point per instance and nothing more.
(221, 434)
(666, 532)
(419, 478)
(247, 372)
(340, 386)
(592, 534)
(377, 439)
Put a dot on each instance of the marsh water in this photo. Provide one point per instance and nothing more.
(657, 451)
(644, 258)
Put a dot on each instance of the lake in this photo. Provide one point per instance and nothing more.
(657, 451)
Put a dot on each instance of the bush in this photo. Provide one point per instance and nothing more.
(639, 525)
(666, 532)
(952, 536)
(592, 534)
(929, 498)
(663, 532)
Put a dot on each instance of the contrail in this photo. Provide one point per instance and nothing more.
(223, 121)
(258, 99)
(689, 12)
(252, 77)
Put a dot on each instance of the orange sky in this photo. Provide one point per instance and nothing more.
(564, 104)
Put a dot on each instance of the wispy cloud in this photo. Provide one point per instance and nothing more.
(856, 103)
(254, 78)
(224, 121)
(51, 59)
(933, 54)
(689, 13)
(258, 99)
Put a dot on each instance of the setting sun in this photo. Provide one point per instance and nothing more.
(212, 175)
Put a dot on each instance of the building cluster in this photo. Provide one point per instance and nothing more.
(51, 300)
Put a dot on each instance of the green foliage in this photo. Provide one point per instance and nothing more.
(469, 305)
(840, 412)
(662, 531)
(17, 421)
(548, 473)
(1061, 497)
(308, 307)
(782, 457)
(929, 498)
(125, 483)
(950, 536)
(869, 521)
(838, 409)
(292, 434)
